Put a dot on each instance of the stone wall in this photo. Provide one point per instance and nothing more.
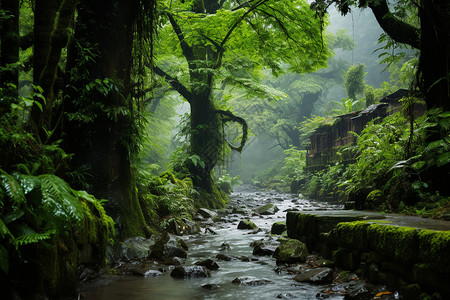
(414, 261)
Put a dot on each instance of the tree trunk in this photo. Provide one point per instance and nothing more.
(434, 63)
(206, 140)
(101, 144)
(10, 41)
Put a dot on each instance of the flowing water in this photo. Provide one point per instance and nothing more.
(208, 245)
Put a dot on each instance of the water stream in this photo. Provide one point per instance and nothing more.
(208, 245)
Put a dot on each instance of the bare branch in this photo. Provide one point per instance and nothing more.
(231, 117)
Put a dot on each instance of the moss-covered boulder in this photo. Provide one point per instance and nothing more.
(247, 224)
(169, 246)
(278, 227)
(267, 209)
(290, 251)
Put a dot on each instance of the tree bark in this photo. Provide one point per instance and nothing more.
(101, 144)
(434, 62)
(10, 41)
(59, 37)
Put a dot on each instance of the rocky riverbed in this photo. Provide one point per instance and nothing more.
(233, 253)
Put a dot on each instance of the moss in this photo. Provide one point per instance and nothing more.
(434, 248)
(215, 199)
(374, 199)
(399, 243)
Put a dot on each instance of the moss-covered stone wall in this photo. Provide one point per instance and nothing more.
(412, 260)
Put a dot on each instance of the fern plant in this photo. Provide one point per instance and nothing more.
(35, 208)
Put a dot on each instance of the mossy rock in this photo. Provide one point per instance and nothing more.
(374, 200)
(267, 209)
(434, 248)
(247, 224)
(290, 251)
(278, 227)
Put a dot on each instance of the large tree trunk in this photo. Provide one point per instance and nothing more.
(101, 144)
(434, 64)
(206, 140)
(10, 41)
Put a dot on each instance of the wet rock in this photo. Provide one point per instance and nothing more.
(264, 250)
(136, 248)
(209, 230)
(208, 263)
(174, 261)
(257, 243)
(278, 227)
(169, 246)
(211, 286)
(290, 251)
(146, 272)
(239, 210)
(87, 274)
(225, 247)
(250, 280)
(268, 209)
(206, 213)
(356, 291)
(176, 226)
(316, 276)
(190, 272)
(192, 227)
(285, 296)
(224, 257)
(247, 224)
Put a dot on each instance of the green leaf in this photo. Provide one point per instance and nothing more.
(12, 187)
(4, 230)
(418, 165)
(443, 159)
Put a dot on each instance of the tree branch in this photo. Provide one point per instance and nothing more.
(398, 30)
(231, 117)
(175, 83)
(187, 50)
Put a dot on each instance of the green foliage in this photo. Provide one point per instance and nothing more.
(354, 81)
(36, 208)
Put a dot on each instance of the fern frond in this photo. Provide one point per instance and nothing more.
(4, 230)
(27, 235)
(59, 199)
(12, 187)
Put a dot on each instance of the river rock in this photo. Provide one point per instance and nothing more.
(211, 286)
(169, 246)
(285, 296)
(267, 209)
(192, 227)
(247, 224)
(190, 272)
(316, 276)
(206, 213)
(356, 290)
(174, 261)
(264, 250)
(225, 247)
(250, 280)
(208, 263)
(224, 257)
(290, 251)
(278, 227)
(176, 226)
(146, 272)
(136, 248)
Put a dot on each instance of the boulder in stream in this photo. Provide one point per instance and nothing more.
(264, 250)
(190, 272)
(136, 248)
(290, 251)
(267, 209)
(169, 246)
(250, 280)
(278, 227)
(206, 213)
(208, 263)
(315, 276)
(247, 224)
